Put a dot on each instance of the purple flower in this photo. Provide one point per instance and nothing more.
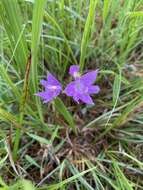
(52, 88)
(82, 87)
(74, 71)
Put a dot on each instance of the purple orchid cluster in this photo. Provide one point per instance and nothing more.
(80, 89)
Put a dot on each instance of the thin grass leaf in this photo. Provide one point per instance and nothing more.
(81, 179)
(105, 116)
(133, 158)
(123, 181)
(12, 21)
(123, 118)
(103, 176)
(106, 7)
(22, 109)
(135, 14)
(61, 108)
(70, 179)
(116, 93)
(38, 13)
(8, 81)
(87, 32)
(3, 160)
(116, 88)
(99, 185)
(39, 139)
(32, 161)
(48, 17)
(6, 116)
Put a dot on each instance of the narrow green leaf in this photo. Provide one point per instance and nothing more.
(9, 117)
(3, 160)
(39, 139)
(124, 115)
(8, 81)
(65, 113)
(81, 179)
(116, 88)
(70, 179)
(38, 12)
(12, 21)
(106, 9)
(32, 161)
(123, 181)
(135, 14)
(87, 32)
(49, 18)
(130, 108)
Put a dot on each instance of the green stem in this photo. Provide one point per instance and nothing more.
(17, 139)
(22, 109)
(16, 143)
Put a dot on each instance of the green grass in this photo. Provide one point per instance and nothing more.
(64, 145)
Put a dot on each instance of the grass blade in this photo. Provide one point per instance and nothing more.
(15, 31)
(38, 12)
(123, 181)
(39, 139)
(65, 113)
(9, 117)
(8, 81)
(123, 118)
(87, 32)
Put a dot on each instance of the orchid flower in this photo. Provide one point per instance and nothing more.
(82, 87)
(52, 88)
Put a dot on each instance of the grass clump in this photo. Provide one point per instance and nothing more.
(64, 145)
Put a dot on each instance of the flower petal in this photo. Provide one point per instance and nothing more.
(51, 80)
(86, 99)
(46, 96)
(89, 78)
(70, 89)
(44, 83)
(94, 89)
(74, 69)
(56, 92)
